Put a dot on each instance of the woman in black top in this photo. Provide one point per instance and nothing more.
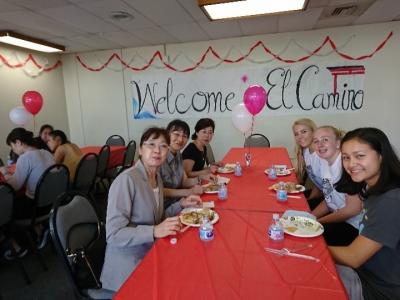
(195, 154)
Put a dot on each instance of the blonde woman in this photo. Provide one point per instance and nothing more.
(307, 159)
(340, 213)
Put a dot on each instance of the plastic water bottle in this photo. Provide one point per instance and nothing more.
(222, 192)
(206, 230)
(272, 173)
(238, 169)
(281, 192)
(9, 161)
(275, 230)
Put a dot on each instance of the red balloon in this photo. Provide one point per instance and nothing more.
(32, 101)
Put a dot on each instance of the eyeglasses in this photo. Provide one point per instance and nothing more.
(152, 146)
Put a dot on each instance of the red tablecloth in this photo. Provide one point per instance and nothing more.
(116, 154)
(250, 191)
(234, 265)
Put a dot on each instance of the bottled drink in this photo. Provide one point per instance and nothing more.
(222, 192)
(275, 230)
(281, 192)
(206, 230)
(9, 161)
(238, 169)
(272, 173)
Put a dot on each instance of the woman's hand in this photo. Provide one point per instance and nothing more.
(209, 178)
(197, 190)
(170, 226)
(213, 168)
(191, 201)
(4, 170)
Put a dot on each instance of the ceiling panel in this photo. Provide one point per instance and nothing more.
(262, 25)
(165, 12)
(380, 11)
(123, 38)
(79, 18)
(39, 4)
(221, 29)
(304, 20)
(7, 6)
(104, 8)
(155, 36)
(193, 10)
(187, 32)
(94, 41)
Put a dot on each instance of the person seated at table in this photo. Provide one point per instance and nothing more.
(176, 183)
(308, 162)
(31, 164)
(339, 213)
(64, 151)
(195, 161)
(370, 265)
(135, 211)
(43, 138)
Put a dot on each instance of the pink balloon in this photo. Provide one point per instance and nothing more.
(255, 97)
(32, 101)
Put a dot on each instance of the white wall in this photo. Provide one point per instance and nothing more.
(100, 102)
(15, 82)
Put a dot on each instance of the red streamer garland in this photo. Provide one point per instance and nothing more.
(33, 60)
(211, 50)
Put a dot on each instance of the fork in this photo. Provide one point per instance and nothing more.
(286, 252)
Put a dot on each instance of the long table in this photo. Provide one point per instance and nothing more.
(116, 154)
(235, 265)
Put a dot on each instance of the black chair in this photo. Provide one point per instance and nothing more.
(115, 140)
(79, 238)
(52, 184)
(1, 162)
(129, 155)
(104, 157)
(85, 174)
(257, 140)
(210, 155)
(7, 198)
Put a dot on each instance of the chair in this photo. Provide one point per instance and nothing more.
(79, 239)
(85, 174)
(1, 162)
(115, 140)
(52, 184)
(129, 154)
(104, 156)
(7, 198)
(257, 140)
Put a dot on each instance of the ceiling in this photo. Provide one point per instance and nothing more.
(86, 25)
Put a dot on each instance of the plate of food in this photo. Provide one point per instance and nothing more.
(194, 216)
(227, 168)
(290, 187)
(210, 188)
(301, 226)
(279, 172)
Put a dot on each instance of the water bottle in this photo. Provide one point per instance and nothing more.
(9, 161)
(281, 192)
(206, 230)
(272, 173)
(275, 230)
(222, 192)
(238, 169)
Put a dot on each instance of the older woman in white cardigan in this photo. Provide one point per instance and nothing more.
(135, 212)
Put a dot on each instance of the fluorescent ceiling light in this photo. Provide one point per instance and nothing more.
(246, 8)
(12, 38)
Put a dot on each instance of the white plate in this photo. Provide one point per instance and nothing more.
(209, 192)
(300, 188)
(279, 172)
(301, 226)
(226, 170)
(188, 210)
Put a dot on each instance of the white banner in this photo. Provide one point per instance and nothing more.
(294, 89)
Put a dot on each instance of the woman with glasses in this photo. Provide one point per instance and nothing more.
(370, 265)
(135, 211)
(194, 156)
(176, 183)
(339, 213)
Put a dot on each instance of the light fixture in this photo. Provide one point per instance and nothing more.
(229, 9)
(16, 39)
